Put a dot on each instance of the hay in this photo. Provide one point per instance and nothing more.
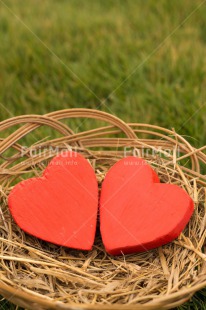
(38, 275)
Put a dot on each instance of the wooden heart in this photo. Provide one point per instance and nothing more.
(137, 212)
(61, 206)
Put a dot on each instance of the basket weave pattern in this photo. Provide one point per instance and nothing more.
(38, 275)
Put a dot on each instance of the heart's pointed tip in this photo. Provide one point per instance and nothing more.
(126, 250)
(80, 243)
(78, 247)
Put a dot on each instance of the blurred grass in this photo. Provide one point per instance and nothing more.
(143, 61)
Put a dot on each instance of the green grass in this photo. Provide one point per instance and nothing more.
(143, 61)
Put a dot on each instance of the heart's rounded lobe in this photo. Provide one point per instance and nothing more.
(61, 206)
(137, 212)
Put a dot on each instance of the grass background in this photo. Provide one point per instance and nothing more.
(144, 61)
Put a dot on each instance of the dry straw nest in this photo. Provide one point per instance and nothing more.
(38, 275)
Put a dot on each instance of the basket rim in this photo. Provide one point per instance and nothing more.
(183, 295)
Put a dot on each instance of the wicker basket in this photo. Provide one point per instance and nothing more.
(38, 275)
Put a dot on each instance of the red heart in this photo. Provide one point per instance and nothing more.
(61, 206)
(137, 213)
